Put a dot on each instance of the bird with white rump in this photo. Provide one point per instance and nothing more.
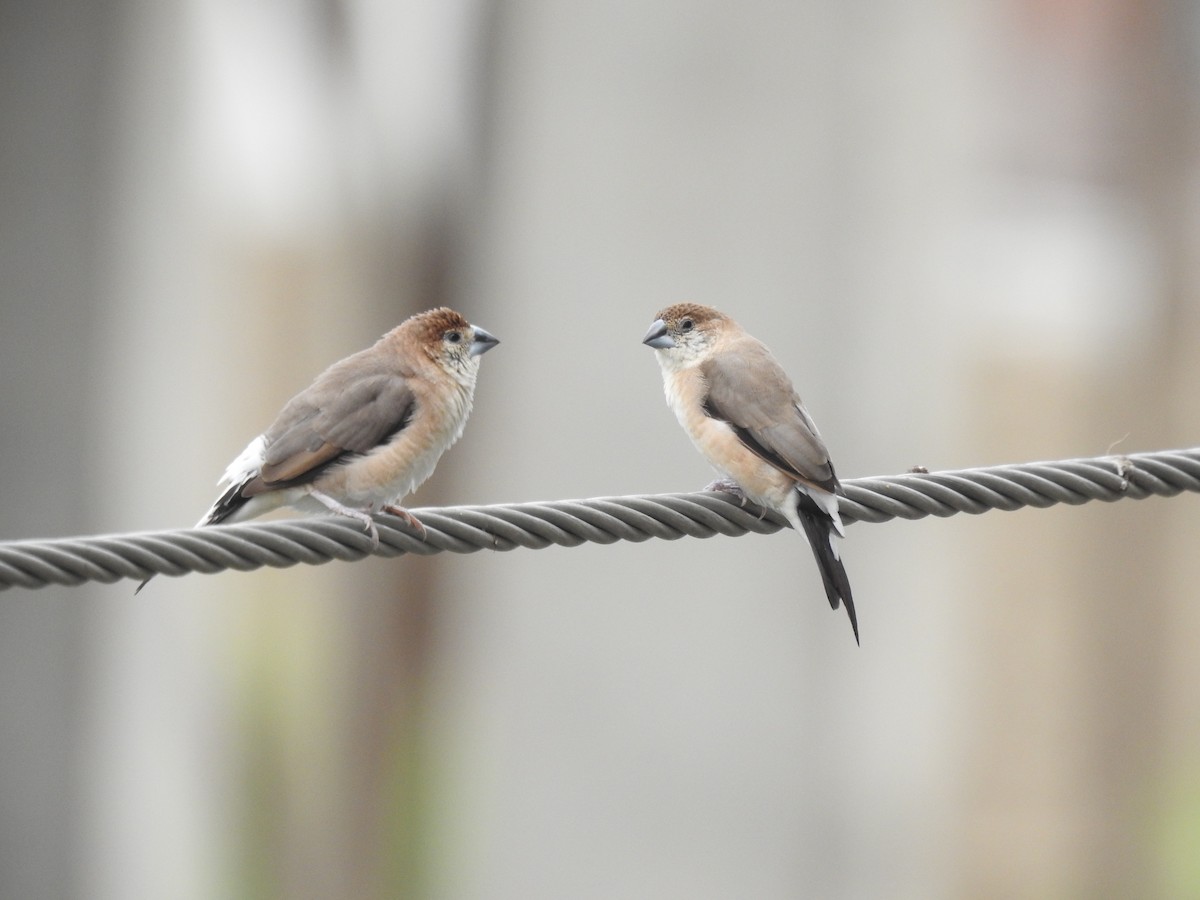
(366, 432)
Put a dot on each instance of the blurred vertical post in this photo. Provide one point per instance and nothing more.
(282, 193)
(1091, 238)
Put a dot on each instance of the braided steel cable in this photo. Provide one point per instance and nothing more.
(569, 523)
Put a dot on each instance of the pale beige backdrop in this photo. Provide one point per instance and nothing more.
(967, 231)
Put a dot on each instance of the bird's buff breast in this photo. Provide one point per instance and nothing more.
(393, 470)
(762, 482)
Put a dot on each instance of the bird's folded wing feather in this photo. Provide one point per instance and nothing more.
(337, 416)
(749, 390)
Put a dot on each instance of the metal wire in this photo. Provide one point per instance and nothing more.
(569, 523)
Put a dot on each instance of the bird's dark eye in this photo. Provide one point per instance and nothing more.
(686, 325)
(454, 336)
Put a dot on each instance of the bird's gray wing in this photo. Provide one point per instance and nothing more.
(348, 410)
(750, 391)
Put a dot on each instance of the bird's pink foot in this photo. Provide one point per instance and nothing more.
(342, 510)
(412, 521)
(368, 525)
(728, 486)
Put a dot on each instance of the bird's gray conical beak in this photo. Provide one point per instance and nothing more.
(483, 342)
(657, 336)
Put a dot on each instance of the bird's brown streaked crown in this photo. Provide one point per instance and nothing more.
(700, 315)
(429, 327)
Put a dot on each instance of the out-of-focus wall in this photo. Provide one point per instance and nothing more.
(690, 719)
(52, 121)
(965, 230)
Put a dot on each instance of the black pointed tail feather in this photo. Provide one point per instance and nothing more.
(818, 527)
(228, 503)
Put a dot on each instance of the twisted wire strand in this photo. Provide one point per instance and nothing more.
(569, 523)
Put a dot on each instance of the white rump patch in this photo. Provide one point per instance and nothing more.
(248, 463)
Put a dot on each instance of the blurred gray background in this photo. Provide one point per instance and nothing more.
(967, 231)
